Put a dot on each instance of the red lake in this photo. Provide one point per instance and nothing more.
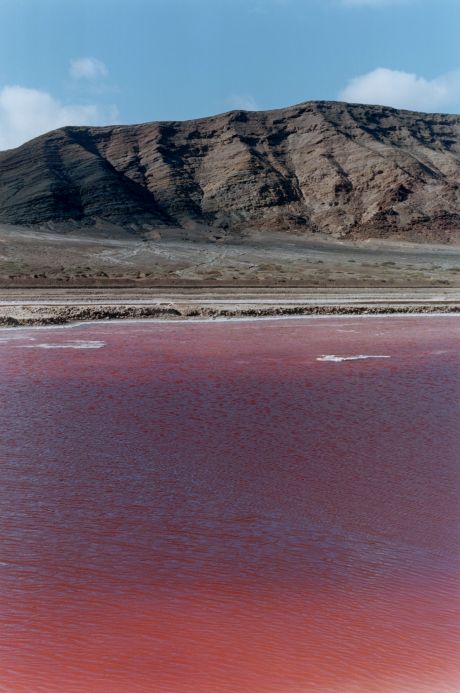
(262, 506)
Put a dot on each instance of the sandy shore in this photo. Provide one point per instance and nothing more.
(25, 307)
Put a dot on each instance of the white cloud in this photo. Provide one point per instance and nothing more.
(243, 102)
(26, 113)
(404, 90)
(88, 68)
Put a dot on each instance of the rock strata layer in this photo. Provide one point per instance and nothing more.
(349, 171)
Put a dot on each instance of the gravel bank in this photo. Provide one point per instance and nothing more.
(17, 316)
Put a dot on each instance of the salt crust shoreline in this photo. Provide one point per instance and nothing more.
(48, 316)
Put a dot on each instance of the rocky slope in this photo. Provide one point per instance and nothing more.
(351, 171)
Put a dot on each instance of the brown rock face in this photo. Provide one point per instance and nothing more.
(351, 171)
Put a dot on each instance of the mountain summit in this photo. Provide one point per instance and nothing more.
(347, 170)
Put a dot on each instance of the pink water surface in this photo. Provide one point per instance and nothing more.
(209, 508)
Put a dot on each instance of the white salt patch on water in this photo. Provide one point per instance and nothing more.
(9, 338)
(73, 344)
(332, 358)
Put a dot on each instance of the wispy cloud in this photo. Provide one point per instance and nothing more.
(404, 90)
(88, 68)
(243, 102)
(26, 113)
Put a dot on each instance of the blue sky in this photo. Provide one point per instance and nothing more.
(101, 61)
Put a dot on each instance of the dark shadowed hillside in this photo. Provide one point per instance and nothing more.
(350, 171)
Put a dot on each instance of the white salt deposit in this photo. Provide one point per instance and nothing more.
(359, 357)
(72, 344)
